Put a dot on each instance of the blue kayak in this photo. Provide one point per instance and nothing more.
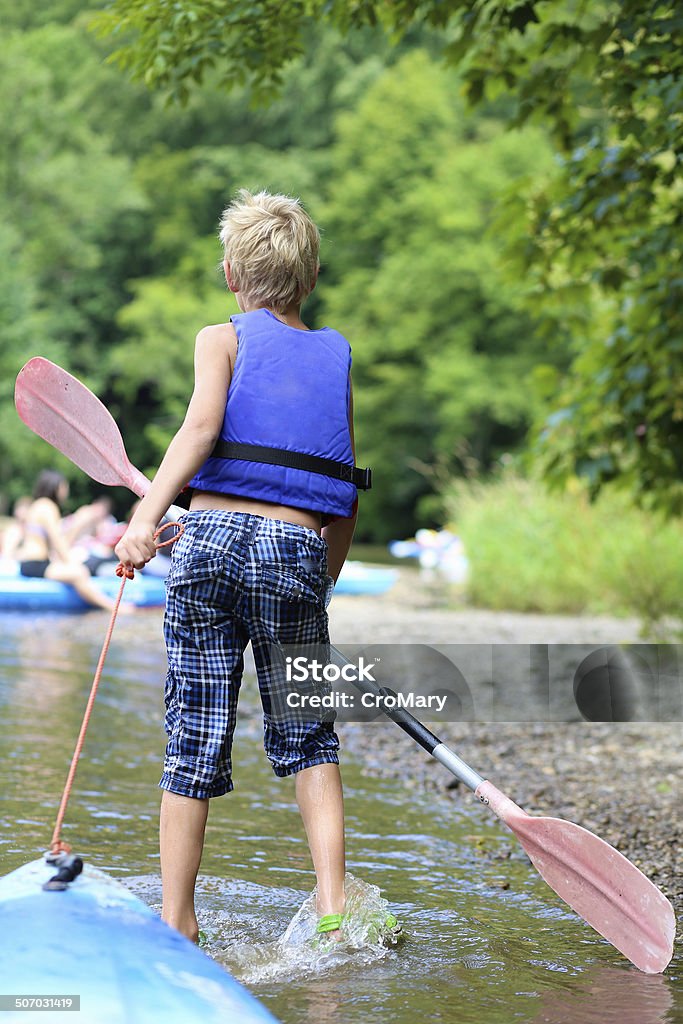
(98, 941)
(356, 578)
(23, 594)
(29, 594)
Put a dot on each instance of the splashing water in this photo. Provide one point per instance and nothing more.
(364, 937)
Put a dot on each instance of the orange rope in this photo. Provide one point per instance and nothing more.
(57, 845)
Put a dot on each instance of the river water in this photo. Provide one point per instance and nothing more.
(486, 940)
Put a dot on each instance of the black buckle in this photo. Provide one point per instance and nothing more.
(363, 479)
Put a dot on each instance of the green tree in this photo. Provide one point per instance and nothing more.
(20, 323)
(442, 346)
(605, 78)
(67, 194)
(29, 16)
(65, 200)
(110, 204)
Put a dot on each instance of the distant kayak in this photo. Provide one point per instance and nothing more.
(21, 593)
(356, 578)
(98, 941)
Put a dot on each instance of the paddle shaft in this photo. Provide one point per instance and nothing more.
(416, 730)
(139, 484)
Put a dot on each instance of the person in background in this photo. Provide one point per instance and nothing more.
(45, 551)
(97, 548)
(97, 537)
(13, 535)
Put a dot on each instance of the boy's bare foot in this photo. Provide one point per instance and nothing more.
(188, 928)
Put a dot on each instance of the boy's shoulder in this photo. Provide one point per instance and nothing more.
(217, 332)
(216, 345)
(218, 335)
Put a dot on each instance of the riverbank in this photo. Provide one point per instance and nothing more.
(620, 780)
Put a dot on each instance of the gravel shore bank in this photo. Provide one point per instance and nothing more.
(621, 780)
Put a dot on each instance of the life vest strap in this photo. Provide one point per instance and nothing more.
(361, 478)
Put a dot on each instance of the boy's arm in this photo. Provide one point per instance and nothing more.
(215, 352)
(339, 534)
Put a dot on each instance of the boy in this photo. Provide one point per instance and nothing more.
(269, 523)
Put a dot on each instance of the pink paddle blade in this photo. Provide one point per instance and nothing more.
(66, 414)
(597, 882)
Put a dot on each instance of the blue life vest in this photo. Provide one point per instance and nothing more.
(289, 395)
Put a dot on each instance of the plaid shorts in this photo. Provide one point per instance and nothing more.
(235, 578)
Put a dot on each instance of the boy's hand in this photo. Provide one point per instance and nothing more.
(137, 546)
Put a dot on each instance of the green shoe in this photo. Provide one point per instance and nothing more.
(321, 938)
(329, 923)
(387, 932)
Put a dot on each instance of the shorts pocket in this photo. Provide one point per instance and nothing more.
(198, 581)
(292, 585)
(193, 570)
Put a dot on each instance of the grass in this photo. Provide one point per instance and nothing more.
(535, 551)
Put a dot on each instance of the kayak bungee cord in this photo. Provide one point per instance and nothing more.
(59, 850)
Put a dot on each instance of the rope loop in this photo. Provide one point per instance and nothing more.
(128, 572)
(59, 846)
(180, 530)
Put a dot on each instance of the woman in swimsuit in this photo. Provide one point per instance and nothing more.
(12, 537)
(45, 551)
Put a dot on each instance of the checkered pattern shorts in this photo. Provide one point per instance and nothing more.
(236, 578)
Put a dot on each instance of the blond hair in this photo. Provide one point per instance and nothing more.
(272, 246)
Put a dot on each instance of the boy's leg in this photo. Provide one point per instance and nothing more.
(205, 647)
(181, 840)
(320, 799)
(287, 607)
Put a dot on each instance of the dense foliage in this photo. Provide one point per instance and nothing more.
(444, 349)
(601, 240)
(468, 260)
(110, 204)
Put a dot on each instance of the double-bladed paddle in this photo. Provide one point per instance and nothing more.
(598, 882)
